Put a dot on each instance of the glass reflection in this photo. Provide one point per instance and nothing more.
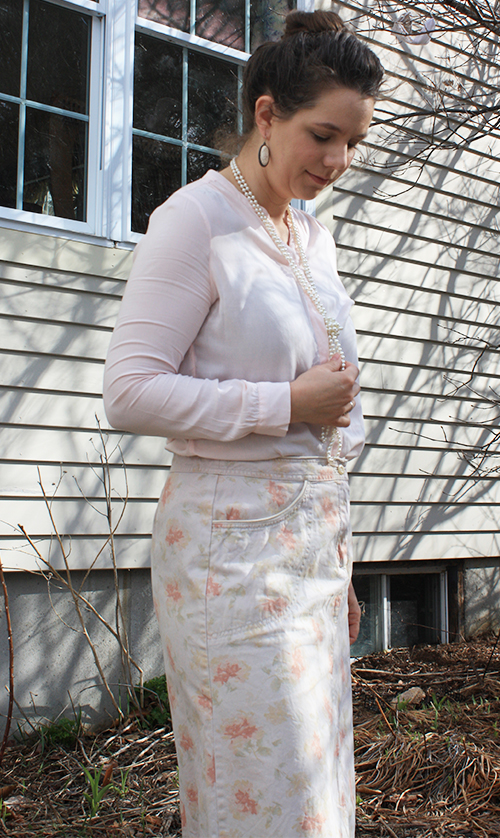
(222, 21)
(55, 165)
(157, 86)
(370, 631)
(198, 164)
(156, 174)
(267, 22)
(9, 127)
(212, 99)
(11, 24)
(174, 13)
(58, 56)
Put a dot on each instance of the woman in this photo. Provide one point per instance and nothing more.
(234, 340)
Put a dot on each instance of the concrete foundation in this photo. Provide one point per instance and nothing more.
(54, 666)
(481, 596)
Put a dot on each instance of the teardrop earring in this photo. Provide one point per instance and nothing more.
(263, 155)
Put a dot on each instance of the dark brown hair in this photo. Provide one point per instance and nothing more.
(317, 52)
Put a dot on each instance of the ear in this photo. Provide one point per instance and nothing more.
(264, 115)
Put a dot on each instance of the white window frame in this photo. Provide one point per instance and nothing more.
(111, 86)
(34, 222)
(385, 602)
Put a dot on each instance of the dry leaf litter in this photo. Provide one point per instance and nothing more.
(427, 744)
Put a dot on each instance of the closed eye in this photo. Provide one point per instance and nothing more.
(320, 139)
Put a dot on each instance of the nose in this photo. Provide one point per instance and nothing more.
(337, 157)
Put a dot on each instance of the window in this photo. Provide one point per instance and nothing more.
(44, 108)
(108, 106)
(400, 608)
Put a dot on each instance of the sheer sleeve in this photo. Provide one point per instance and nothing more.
(167, 298)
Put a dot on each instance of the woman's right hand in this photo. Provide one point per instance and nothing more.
(324, 395)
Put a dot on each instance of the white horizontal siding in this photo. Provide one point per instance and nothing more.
(58, 303)
(418, 252)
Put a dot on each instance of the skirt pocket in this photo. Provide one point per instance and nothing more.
(259, 551)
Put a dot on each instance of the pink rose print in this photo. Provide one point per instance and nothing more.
(277, 493)
(327, 704)
(298, 666)
(245, 803)
(167, 492)
(186, 742)
(192, 794)
(274, 606)
(317, 630)
(170, 657)
(213, 588)
(172, 698)
(343, 554)
(211, 770)
(174, 535)
(286, 537)
(232, 513)
(226, 671)
(312, 823)
(330, 510)
(241, 729)
(173, 592)
(205, 701)
(316, 748)
(326, 473)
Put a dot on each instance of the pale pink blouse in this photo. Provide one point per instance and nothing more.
(213, 327)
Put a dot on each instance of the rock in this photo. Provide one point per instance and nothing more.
(409, 697)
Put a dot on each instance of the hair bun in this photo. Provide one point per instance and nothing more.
(311, 23)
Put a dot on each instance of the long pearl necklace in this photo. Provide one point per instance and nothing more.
(303, 276)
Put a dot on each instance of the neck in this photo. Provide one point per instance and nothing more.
(259, 182)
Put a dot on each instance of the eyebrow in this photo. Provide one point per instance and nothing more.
(331, 127)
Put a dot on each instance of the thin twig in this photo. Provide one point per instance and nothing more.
(11, 664)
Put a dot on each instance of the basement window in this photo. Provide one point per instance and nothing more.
(400, 609)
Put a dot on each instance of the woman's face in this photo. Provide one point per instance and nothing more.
(312, 148)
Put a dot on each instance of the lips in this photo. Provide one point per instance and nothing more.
(320, 181)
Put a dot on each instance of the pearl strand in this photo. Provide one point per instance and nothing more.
(303, 276)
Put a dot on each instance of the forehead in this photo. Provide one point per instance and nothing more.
(340, 108)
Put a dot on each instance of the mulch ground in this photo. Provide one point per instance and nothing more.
(424, 769)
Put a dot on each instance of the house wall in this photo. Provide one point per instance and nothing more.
(58, 302)
(418, 251)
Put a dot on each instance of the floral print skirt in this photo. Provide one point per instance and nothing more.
(251, 565)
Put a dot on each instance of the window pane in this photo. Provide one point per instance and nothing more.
(58, 57)
(156, 173)
(198, 163)
(11, 24)
(55, 165)
(9, 127)
(170, 12)
(267, 22)
(222, 21)
(370, 631)
(157, 86)
(212, 99)
(415, 616)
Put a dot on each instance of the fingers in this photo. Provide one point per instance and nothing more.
(335, 365)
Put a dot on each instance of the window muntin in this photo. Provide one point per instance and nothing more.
(400, 610)
(184, 101)
(44, 101)
(240, 24)
(98, 193)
